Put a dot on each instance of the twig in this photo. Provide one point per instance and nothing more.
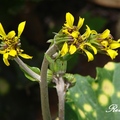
(43, 85)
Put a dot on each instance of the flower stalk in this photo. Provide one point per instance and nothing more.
(44, 86)
(27, 69)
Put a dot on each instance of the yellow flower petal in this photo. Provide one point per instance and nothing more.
(64, 49)
(114, 45)
(89, 55)
(5, 59)
(72, 49)
(21, 28)
(118, 40)
(80, 23)
(6, 55)
(69, 20)
(75, 34)
(112, 53)
(1, 38)
(11, 34)
(94, 32)
(87, 33)
(105, 34)
(25, 56)
(65, 31)
(93, 48)
(105, 43)
(2, 32)
(2, 51)
(13, 53)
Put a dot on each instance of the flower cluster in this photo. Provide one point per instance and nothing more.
(10, 44)
(89, 42)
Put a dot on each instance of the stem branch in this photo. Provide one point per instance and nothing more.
(60, 87)
(27, 69)
(44, 86)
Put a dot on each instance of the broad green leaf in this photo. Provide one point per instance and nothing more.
(116, 95)
(90, 99)
(83, 98)
(70, 110)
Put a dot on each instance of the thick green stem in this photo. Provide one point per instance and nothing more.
(44, 86)
(27, 69)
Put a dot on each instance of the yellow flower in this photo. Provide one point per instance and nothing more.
(110, 49)
(10, 44)
(69, 27)
(111, 44)
(70, 21)
(105, 42)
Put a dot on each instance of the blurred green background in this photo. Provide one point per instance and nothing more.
(19, 97)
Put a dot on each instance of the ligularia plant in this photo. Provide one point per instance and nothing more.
(79, 98)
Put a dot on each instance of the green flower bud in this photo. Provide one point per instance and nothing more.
(49, 76)
(70, 78)
(58, 66)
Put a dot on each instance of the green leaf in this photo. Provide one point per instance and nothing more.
(70, 110)
(57, 65)
(50, 60)
(91, 98)
(83, 98)
(35, 69)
